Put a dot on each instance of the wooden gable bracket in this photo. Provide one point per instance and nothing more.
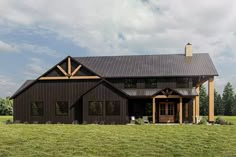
(69, 74)
(167, 92)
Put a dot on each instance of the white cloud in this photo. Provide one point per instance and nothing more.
(35, 68)
(25, 47)
(150, 26)
(127, 27)
(5, 47)
(42, 50)
(7, 86)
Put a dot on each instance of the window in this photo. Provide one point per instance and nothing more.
(130, 83)
(170, 109)
(182, 82)
(37, 108)
(163, 110)
(95, 108)
(62, 108)
(151, 83)
(112, 108)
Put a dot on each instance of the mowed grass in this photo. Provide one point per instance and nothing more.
(117, 140)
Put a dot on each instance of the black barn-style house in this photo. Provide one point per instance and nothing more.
(112, 89)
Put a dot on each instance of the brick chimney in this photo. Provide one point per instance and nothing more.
(188, 50)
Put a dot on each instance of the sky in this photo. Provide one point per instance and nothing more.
(35, 35)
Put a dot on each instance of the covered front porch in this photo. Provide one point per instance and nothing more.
(166, 110)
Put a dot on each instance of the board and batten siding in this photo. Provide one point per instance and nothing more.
(50, 92)
(104, 93)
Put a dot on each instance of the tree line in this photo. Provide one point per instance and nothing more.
(6, 106)
(225, 104)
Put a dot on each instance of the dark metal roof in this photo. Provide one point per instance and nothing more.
(150, 65)
(186, 91)
(140, 92)
(26, 84)
(152, 92)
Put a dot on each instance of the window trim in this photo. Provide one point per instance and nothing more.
(182, 82)
(170, 109)
(162, 108)
(106, 107)
(102, 113)
(150, 84)
(56, 109)
(126, 83)
(32, 108)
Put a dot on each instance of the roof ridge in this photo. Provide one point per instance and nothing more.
(136, 55)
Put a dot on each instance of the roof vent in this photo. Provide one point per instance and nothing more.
(188, 50)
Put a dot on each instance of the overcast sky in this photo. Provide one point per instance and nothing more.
(35, 35)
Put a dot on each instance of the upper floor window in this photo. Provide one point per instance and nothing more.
(95, 108)
(151, 83)
(37, 108)
(62, 108)
(130, 83)
(182, 83)
(112, 108)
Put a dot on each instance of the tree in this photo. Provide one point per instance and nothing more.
(6, 106)
(234, 109)
(228, 99)
(203, 101)
(219, 108)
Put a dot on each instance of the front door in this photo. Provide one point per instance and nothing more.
(166, 112)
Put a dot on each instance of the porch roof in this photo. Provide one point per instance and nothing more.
(153, 91)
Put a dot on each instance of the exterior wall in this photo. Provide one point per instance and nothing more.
(70, 90)
(50, 92)
(104, 93)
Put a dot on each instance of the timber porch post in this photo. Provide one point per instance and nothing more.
(153, 110)
(180, 111)
(211, 99)
(197, 100)
(194, 109)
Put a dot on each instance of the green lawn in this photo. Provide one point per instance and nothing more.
(117, 140)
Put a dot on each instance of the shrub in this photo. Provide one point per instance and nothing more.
(221, 121)
(17, 121)
(8, 121)
(139, 121)
(203, 121)
(49, 122)
(75, 122)
(6, 106)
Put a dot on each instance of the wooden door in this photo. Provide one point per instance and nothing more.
(166, 112)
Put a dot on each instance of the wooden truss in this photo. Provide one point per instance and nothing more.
(68, 74)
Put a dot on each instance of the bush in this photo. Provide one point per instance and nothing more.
(203, 121)
(17, 121)
(8, 121)
(6, 106)
(139, 121)
(221, 121)
(49, 122)
(75, 122)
